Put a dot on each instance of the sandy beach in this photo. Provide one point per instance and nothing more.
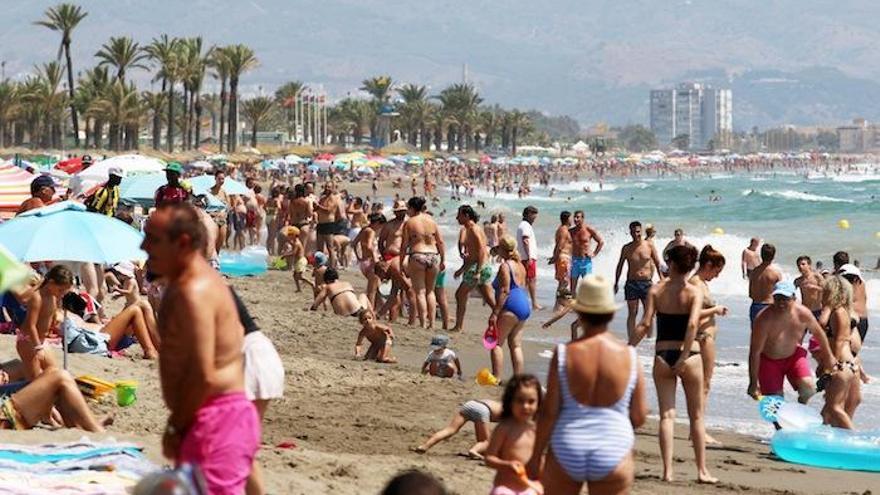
(351, 423)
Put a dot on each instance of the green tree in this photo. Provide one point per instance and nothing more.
(155, 103)
(122, 53)
(682, 141)
(219, 64)
(256, 112)
(64, 18)
(92, 85)
(636, 138)
(122, 107)
(379, 87)
(241, 59)
(9, 105)
(163, 52)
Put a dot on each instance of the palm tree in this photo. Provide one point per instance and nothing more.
(256, 111)
(9, 104)
(164, 52)
(490, 121)
(193, 65)
(64, 18)
(123, 53)
(219, 63)
(379, 87)
(286, 97)
(92, 86)
(155, 103)
(122, 107)
(241, 59)
(211, 103)
(414, 111)
(518, 123)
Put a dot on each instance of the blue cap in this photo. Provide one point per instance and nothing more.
(320, 258)
(784, 288)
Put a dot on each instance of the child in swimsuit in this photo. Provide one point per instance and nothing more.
(379, 335)
(511, 444)
(441, 362)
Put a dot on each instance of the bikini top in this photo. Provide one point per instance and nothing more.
(671, 326)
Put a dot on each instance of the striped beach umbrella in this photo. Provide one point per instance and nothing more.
(15, 188)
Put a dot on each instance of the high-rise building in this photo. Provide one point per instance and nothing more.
(701, 113)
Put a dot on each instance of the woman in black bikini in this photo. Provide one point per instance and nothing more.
(677, 304)
(837, 297)
(343, 299)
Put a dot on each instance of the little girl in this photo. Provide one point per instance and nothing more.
(513, 440)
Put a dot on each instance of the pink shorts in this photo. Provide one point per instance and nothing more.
(772, 372)
(222, 441)
(504, 490)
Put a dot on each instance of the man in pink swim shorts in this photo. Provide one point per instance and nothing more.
(212, 424)
(775, 351)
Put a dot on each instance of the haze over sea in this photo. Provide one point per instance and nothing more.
(798, 213)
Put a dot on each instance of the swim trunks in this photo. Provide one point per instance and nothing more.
(531, 269)
(772, 372)
(440, 280)
(300, 264)
(223, 440)
(563, 267)
(636, 290)
(474, 410)
(332, 228)
(475, 276)
(10, 418)
(754, 309)
(581, 266)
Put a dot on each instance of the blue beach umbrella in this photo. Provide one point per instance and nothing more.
(204, 183)
(66, 231)
(141, 189)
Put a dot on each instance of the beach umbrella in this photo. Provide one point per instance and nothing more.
(71, 165)
(324, 164)
(365, 171)
(66, 231)
(313, 168)
(231, 186)
(269, 165)
(130, 164)
(15, 188)
(325, 157)
(199, 165)
(294, 159)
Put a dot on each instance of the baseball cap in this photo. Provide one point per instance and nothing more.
(117, 171)
(439, 342)
(320, 258)
(784, 288)
(850, 269)
(399, 205)
(174, 167)
(41, 182)
(87, 160)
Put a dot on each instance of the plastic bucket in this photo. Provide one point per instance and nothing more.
(126, 393)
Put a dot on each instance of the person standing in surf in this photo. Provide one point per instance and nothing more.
(750, 257)
(641, 259)
(582, 255)
(761, 282)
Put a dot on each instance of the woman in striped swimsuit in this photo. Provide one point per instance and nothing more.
(595, 398)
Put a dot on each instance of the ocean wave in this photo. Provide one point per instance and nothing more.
(796, 196)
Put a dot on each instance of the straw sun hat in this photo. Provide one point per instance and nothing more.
(594, 296)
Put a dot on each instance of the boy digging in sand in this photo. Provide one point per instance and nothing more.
(380, 337)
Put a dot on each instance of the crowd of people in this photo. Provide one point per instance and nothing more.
(219, 372)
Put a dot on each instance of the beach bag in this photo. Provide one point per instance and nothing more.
(80, 340)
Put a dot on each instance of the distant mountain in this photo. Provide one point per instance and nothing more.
(788, 61)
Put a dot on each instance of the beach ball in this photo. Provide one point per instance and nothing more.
(718, 231)
(843, 223)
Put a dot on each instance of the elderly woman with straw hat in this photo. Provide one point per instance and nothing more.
(595, 398)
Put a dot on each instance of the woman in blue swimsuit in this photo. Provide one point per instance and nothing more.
(512, 307)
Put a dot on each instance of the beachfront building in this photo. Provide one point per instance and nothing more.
(858, 137)
(691, 116)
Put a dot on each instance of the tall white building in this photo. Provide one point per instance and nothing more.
(696, 110)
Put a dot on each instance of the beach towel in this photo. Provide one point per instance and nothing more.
(72, 468)
(81, 340)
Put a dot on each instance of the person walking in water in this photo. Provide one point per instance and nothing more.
(641, 258)
(677, 304)
(582, 253)
(761, 282)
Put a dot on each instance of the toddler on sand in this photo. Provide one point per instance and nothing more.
(511, 444)
(378, 334)
(441, 362)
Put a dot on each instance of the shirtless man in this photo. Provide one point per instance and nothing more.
(476, 268)
(220, 217)
(42, 192)
(212, 424)
(762, 280)
(561, 258)
(678, 239)
(491, 231)
(641, 258)
(775, 352)
(582, 254)
(300, 214)
(390, 246)
(366, 251)
(853, 275)
(212, 231)
(331, 221)
(810, 284)
(750, 258)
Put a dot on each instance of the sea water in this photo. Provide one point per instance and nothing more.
(798, 213)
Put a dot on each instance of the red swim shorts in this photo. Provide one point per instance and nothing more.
(772, 372)
(531, 269)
